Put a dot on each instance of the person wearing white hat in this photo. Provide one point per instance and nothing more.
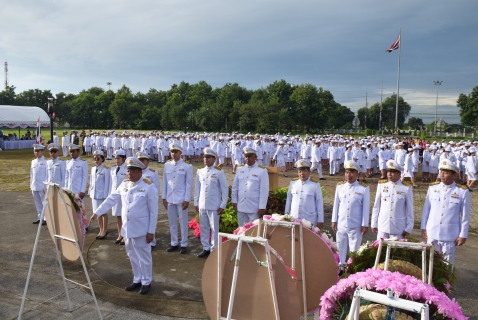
(304, 197)
(392, 213)
(446, 212)
(118, 175)
(471, 168)
(55, 166)
(426, 164)
(176, 194)
(316, 159)
(76, 174)
(333, 155)
(139, 200)
(408, 167)
(210, 199)
(279, 157)
(100, 185)
(38, 175)
(383, 156)
(65, 141)
(250, 189)
(351, 209)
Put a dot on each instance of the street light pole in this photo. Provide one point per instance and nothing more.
(109, 85)
(437, 83)
(51, 111)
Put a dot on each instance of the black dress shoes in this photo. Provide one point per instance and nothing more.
(117, 241)
(43, 223)
(36, 222)
(103, 237)
(204, 254)
(182, 250)
(172, 248)
(145, 289)
(133, 286)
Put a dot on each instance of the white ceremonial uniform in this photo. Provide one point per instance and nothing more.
(316, 159)
(210, 193)
(250, 190)
(76, 175)
(177, 188)
(100, 179)
(117, 177)
(56, 170)
(304, 200)
(351, 212)
(139, 201)
(392, 211)
(446, 216)
(65, 142)
(38, 175)
(152, 176)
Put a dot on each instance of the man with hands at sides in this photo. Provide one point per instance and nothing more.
(139, 199)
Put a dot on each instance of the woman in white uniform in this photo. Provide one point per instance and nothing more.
(100, 179)
(118, 174)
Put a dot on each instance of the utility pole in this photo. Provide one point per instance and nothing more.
(380, 119)
(366, 110)
(6, 75)
(437, 84)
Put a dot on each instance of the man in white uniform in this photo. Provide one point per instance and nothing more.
(250, 189)
(304, 197)
(350, 214)
(392, 214)
(55, 166)
(139, 199)
(446, 212)
(210, 200)
(76, 174)
(38, 175)
(176, 194)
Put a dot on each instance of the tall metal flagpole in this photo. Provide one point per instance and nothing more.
(398, 81)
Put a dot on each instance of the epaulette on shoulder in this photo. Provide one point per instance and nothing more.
(147, 181)
(152, 170)
(261, 166)
(187, 161)
(406, 183)
(295, 179)
(240, 165)
(169, 160)
(462, 186)
(314, 180)
(340, 182)
(434, 183)
(106, 167)
(218, 167)
(125, 180)
(200, 167)
(382, 181)
(363, 184)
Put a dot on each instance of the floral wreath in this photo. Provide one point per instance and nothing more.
(404, 286)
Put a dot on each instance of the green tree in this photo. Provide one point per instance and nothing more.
(34, 97)
(468, 105)
(8, 96)
(415, 123)
(388, 113)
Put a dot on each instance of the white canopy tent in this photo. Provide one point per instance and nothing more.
(22, 117)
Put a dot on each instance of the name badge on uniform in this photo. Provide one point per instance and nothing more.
(358, 193)
(213, 176)
(78, 166)
(455, 195)
(181, 169)
(437, 191)
(400, 192)
(255, 175)
(141, 190)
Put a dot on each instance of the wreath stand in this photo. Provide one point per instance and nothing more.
(407, 245)
(388, 300)
(292, 226)
(64, 231)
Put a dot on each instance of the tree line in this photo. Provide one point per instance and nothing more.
(280, 106)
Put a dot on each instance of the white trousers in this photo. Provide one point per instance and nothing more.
(38, 198)
(175, 211)
(209, 223)
(221, 160)
(109, 153)
(448, 249)
(334, 166)
(243, 217)
(139, 253)
(267, 160)
(318, 166)
(65, 151)
(348, 236)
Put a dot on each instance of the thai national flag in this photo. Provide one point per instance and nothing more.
(39, 138)
(395, 45)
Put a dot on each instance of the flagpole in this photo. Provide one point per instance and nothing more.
(398, 81)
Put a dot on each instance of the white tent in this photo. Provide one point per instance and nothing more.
(22, 117)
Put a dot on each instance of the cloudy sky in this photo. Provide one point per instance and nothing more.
(68, 46)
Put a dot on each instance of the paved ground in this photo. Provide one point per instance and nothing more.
(176, 292)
